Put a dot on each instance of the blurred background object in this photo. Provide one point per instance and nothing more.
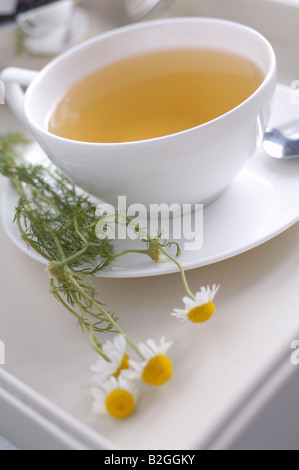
(137, 9)
(52, 28)
(48, 27)
(10, 8)
(41, 22)
(131, 10)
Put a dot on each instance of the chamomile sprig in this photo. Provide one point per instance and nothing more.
(62, 225)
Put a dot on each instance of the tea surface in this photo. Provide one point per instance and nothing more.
(153, 95)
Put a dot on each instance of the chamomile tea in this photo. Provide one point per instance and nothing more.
(153, 95)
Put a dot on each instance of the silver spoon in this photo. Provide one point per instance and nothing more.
(283, 142)
(137, 9)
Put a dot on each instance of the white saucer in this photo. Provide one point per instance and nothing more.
(260, 204)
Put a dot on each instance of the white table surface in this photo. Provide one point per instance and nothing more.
(223, 364)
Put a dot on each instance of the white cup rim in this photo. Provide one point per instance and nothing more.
(147, 24)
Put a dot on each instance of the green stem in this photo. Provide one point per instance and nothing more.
(55, 178)
(126, 252)
(65, 260)
(28, 241)
(93, 225)
(185, 283)
(65, 305)
(93, 342)
(57, 242)
(92, 339)
(46, 200)
(80, 293)
(20, 188)
(106, 314)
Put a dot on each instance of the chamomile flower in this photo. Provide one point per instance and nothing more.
(119, 360)
(116, 397)
(201, 309)
(156, 368)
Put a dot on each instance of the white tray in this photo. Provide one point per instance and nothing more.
(224, 371)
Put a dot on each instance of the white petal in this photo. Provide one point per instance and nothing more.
(107, 348)
(130, 386)
(104, 375)
(97, 393)
(104, 369)
(153, 346)
(165, 346)
(99, 408)
(215, 290)
(120, 343)
(130, 374)
(179, 311)
(99, 401)
(201, 298)
(122, 383)
(190, 303)
(138, 367)
(125, 384)
(101, 365)
(179, 315)
(206, 295)
(145, 351)
(182, 320)
(110, 385)
(115, 351)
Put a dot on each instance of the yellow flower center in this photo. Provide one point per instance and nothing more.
(124, 365)
(202, 313)
(158, 371)
(120, 404)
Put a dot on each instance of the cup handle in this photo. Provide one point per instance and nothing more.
(13, 79)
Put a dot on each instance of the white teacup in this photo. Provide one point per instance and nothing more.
(193, 166)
